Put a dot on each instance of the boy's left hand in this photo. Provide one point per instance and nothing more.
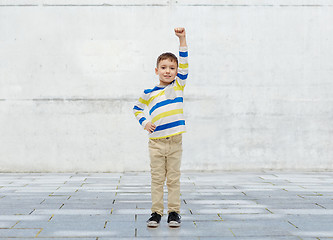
(180, 32)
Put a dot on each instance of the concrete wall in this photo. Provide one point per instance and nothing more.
(259, 94)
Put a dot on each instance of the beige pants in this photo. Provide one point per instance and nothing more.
(165, 159)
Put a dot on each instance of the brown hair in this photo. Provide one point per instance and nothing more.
(172, 57)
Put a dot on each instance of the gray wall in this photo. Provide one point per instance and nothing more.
(259, 94)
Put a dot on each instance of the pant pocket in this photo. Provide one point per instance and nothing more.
(178, 139)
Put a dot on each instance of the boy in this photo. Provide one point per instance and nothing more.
(165, 105)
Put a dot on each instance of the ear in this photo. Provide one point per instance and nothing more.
(156, 71)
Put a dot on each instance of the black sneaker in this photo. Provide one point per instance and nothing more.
(154, 220)
(174, 219)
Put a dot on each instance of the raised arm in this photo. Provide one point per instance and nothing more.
(183, 58)
(181, 34)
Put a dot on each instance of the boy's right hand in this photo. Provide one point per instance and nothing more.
(150, 127)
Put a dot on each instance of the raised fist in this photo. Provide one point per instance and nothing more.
(180, 32)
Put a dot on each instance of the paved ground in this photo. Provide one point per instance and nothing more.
(220, 205)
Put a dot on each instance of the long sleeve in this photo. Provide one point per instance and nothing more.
(139, 108)
(183, 66)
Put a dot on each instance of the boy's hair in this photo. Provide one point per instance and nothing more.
(172, 57)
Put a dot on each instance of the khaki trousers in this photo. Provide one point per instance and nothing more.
(165, 158)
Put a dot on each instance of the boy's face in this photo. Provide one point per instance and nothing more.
(167, 71)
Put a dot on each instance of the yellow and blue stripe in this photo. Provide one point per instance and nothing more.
(165, 104)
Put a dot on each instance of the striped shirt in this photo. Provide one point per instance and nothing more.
(165, 103)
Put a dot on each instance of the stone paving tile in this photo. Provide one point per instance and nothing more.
(18, 233)
(311, 223)
(7, 224)
(215, 205)
(53, 238)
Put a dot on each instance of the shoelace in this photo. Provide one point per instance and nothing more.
(153, 215)
(175, 215)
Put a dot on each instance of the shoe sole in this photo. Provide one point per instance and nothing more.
(153, 224)
(174, 224)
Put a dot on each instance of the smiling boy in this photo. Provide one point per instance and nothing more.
(165, 105)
